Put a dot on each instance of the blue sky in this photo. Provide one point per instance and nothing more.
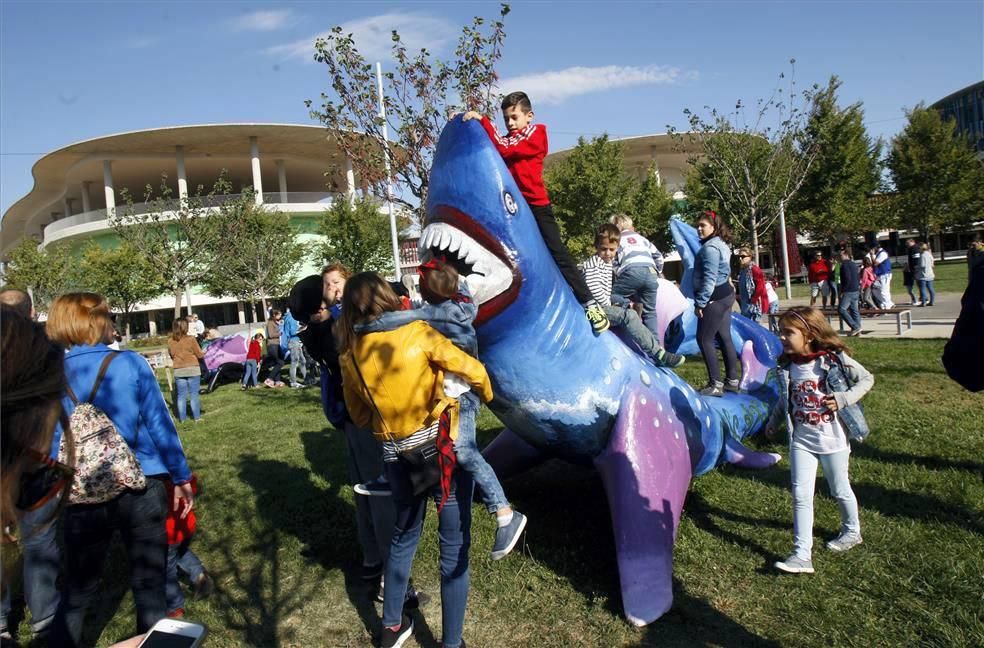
(75, 70)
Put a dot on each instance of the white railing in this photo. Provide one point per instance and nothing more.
(321, 198)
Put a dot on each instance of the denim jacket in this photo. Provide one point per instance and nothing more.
(847, 380)
(712, 267)
(451, 318)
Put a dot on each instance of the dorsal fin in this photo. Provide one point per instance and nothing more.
(687, 243)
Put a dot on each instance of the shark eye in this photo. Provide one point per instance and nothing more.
(510, 203)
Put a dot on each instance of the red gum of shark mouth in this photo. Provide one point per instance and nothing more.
(460, 221)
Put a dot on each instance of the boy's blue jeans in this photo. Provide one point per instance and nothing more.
(471, 459)
(180, 557)
(628, 320)
(927, 291)
(297, 361)
(251, 372)
(454, 533)
(638, 283)
(42, 559)
(188, 390)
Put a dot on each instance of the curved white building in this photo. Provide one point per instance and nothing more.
(294, 169)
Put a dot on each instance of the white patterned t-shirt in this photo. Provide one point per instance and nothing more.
(815, 428)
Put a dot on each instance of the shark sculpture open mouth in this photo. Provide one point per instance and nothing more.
(486, 265)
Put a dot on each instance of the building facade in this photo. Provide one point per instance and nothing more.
(292, 169)
(966, 107)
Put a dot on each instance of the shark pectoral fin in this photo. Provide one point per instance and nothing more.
(738, 454)
(646, 471)
(508, 454)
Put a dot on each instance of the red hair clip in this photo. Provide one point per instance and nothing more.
(711, 214)
(435, 263)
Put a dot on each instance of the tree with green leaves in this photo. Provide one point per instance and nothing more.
(833, 201)
(586, 187)
(257, 256)
(356, 234)
(420, 94)
(751, 164)
(174, 234)
(44, 273)
(939, 180)
(652, 206)
(122, 275)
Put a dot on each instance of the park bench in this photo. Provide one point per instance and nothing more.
(830, 313)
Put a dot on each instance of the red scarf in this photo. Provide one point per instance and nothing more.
(446, 458)
(803, 358)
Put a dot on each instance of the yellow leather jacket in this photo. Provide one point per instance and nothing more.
(404, 370)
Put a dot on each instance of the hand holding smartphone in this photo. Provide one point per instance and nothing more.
(174, 633)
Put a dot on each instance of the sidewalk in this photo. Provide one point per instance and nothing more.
(927, 322)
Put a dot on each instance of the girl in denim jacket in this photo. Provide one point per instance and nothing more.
(820, 386)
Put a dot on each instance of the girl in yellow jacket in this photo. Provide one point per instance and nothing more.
(393, 385)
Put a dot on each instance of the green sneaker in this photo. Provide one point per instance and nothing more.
(599, 321)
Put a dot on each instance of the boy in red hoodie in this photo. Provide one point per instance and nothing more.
(523, 150)
(180, 557)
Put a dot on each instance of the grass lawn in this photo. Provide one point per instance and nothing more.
(277, 532)
(951, 276)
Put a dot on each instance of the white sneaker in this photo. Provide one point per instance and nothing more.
(844, 541)
(794, 565)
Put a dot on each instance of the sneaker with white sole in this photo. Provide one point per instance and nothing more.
(398, 637)
(669, 359)
(596, 316)
(794, 565)
(378, 487)
(845, 541)
(507, 536)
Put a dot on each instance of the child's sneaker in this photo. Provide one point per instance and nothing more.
(596, 316)
(712, 388)
(733, 386)
(398, 637)
(177, 613)
(845, 541)
(794, 565)
(669, 359)
(378, 487)
(507, 536)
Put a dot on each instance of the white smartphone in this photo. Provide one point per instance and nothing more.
(172, 633)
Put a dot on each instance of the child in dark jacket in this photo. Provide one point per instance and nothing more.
(180, 557)
(450, 310)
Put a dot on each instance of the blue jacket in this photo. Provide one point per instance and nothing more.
(847, 380)
(712, 267)
(451, 318)
(288, 332)
(132, 399)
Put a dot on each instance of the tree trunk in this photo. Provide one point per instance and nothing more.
(263, 302)
(188, 298)
(177, 303)
(755, 238)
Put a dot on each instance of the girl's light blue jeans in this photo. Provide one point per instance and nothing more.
(454, 534)
(188, 390)
(803, 469)
(252, 372)
(471, 459)
(927, 288)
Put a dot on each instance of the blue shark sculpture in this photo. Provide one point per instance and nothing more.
(562, 392)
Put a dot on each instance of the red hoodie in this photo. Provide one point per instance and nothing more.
(253, 353)
(523, 152)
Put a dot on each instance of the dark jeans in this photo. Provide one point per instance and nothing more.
(139, 517)
(849, 310)
(562, 257)
(274, 361)
(180, 558)
(42, 561)
(454, 533)
(716, 323)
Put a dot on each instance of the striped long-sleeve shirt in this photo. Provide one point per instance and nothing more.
(598, 275)
(636, 249)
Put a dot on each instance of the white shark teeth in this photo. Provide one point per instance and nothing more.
(489, 275)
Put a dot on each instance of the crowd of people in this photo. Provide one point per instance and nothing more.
(402, 380)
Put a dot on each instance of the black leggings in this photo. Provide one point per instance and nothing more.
(562, 257)
(716, 322)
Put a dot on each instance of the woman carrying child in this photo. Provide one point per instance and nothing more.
(820, 385)
(392, 381)
(713, 298)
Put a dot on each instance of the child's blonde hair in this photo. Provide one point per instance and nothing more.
(813, 325)
(622, 221)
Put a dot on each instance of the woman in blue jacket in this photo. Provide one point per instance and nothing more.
(713, 298)
(130, 396)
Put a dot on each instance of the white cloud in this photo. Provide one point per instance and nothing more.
(557, 86)
(373, 39)
(264, 20)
